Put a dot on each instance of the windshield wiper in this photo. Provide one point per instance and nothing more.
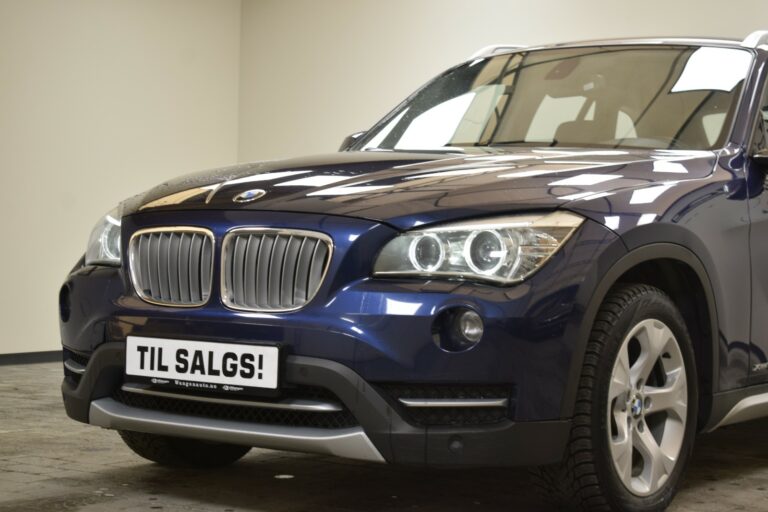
(446, 149)
(551, 143)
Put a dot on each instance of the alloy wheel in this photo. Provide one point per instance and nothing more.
(647, 407)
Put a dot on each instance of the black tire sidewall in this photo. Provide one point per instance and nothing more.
(649, 305)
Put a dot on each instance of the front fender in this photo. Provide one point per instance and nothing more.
(609, 269)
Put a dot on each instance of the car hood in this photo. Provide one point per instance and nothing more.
(411, 189)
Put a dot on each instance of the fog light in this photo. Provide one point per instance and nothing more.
(470, 325)
(457, 329)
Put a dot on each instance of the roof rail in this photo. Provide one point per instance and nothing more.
(493, 49)
(755, 39)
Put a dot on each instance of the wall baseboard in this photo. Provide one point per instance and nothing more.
(30, 357)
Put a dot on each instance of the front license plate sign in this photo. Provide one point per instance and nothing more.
(202, 365)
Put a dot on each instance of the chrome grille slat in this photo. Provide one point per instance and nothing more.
(251, 255)
(238, 270)
(162, 255)
(172, 266)
(275, 270)
(206, 266)
(194, 263)
(265, 269)
(144, 255)
(289, 270)
(282, 275)
(184, 281)
(316, 267)
(154, 278)
(262, 270)
(305, 257)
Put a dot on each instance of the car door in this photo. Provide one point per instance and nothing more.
(757, 177)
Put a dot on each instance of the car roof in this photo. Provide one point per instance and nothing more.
(698, 41)
(758, 39)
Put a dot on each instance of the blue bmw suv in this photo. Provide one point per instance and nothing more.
(548, 256)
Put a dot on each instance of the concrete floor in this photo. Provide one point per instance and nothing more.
(49, 463)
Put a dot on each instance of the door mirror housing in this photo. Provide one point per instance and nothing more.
(350, 140)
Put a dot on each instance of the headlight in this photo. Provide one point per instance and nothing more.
(503, 250)
(104, 243)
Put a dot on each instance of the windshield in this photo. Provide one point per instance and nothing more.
(670, 97)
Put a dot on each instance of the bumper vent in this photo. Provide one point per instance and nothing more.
(457, 405)
(273, 269)
(264, 416)
(74, 366)
(172, 266)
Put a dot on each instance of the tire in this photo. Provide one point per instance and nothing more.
(181, 452)
(614, 460)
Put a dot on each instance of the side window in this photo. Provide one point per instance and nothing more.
(760, 137)
(713, 125)
(435, 127)
(459, 120)
(763, 127)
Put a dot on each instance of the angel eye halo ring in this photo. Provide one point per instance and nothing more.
(426, 252)
(501, 250)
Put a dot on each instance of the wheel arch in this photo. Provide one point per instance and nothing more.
(675, 270)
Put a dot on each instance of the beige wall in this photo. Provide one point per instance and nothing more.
(313, 72)
(99, 99)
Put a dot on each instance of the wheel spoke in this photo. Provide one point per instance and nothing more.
(653, 338)
(657, 465)
(621, 446)
(621, 382)
(672, 398)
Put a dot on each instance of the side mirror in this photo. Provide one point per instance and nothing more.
(350, 140)
(760, 158)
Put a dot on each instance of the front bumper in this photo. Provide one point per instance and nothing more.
(360, 338)
(383, 435)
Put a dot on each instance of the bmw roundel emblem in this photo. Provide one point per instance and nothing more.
(249, 195)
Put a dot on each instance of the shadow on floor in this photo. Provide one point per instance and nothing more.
(733, 459)
(726, 464)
